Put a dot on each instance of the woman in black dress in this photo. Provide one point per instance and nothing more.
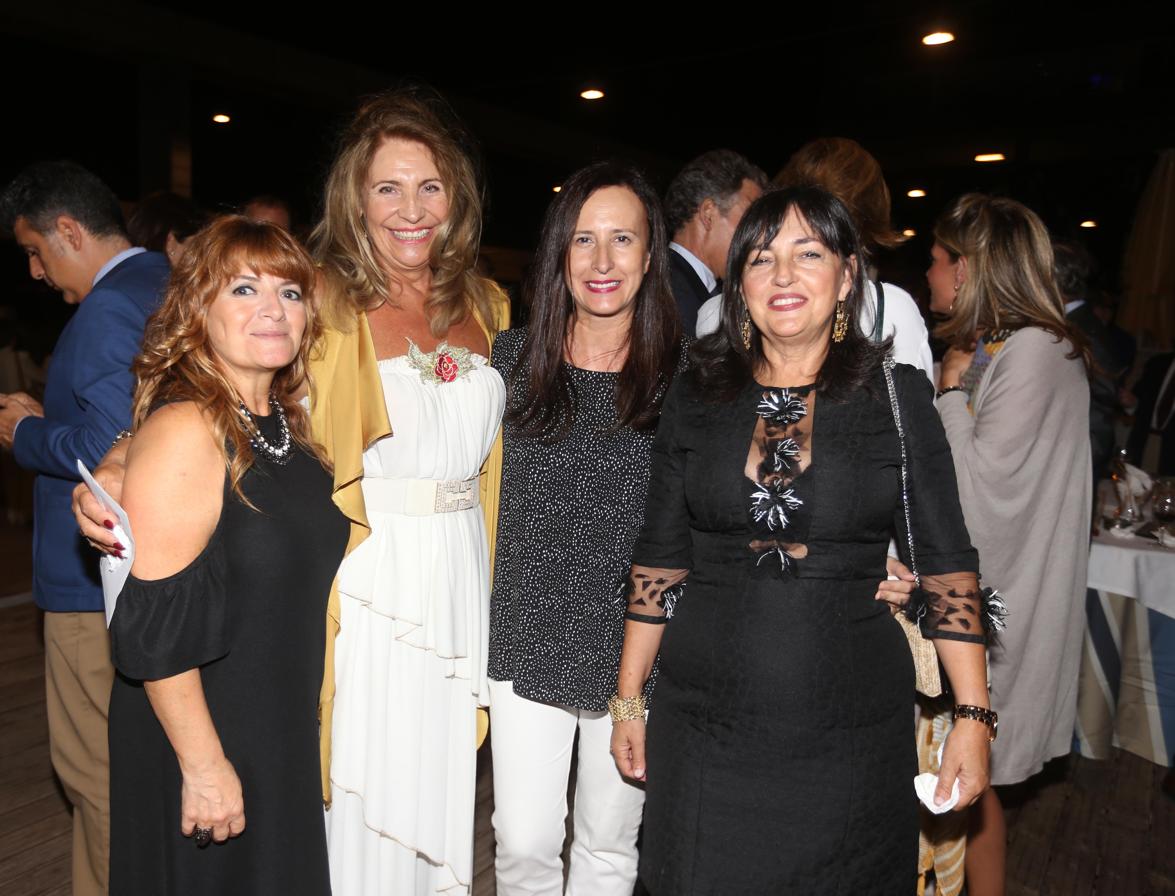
(779, 754)
(584, 387)
(218, 634)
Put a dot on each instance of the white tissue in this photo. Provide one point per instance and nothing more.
(925, 785)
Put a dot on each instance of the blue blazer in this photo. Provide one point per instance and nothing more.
(87, 402)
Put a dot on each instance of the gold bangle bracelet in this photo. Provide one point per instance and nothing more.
(626, 709)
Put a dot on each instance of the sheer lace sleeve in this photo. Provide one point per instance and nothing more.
(650, 594)
(949, 602)
(953, 606)
(663, 553)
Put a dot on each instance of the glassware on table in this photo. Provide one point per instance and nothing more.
(1126, 513)
(1163, 505)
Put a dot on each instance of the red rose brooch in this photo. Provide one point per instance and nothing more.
(442, 365)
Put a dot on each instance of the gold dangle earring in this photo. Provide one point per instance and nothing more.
(841, 324)
(745, 328)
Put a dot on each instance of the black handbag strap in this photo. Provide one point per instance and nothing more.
(879, 314)
(887, 368)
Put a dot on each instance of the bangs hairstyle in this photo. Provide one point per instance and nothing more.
(355, 280)
(1010, 282)
(722, 364)
(177, 362)
(545, 401)
(845, 169)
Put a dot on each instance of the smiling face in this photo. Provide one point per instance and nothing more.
(944, 277)
(404, 203)
(609, 253)
(792, 285)
(255, 324)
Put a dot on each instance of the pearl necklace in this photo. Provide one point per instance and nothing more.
(279, 454)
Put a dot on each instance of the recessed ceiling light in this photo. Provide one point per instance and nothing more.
(1090, 224)
(938, 37)
(915, 193)
(909, 231)
(990, 157)
(557, 189)
(221, 118)
(592, 93)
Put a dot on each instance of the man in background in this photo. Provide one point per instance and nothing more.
(70, 226)
(703, 206)
(273, 209)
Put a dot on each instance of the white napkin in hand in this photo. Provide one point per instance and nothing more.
(925, 785)
(114, 570)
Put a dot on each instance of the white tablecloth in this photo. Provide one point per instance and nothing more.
(1126, 692)
(1134, 567)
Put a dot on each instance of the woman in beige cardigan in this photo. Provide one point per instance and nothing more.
(1016, 414)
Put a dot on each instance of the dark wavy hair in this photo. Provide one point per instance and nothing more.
(722, 365)
(545, 399)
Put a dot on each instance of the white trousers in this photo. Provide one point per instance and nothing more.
(532, 744)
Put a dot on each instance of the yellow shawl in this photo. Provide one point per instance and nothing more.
(347, 414)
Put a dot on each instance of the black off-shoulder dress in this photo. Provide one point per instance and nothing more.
(249, 611)
(780, 737)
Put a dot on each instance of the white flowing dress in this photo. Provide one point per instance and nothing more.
(410, 658)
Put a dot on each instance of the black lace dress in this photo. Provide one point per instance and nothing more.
(249, 611)
(780, 736)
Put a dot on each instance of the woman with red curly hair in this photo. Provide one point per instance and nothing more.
(217, 635)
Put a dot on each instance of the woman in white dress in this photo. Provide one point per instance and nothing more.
(397, 244)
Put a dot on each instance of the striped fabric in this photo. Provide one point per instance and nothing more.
(1126, 692)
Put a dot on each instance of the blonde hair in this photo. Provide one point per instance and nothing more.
(177, 362)
(354, 279)
(845, 169)
(1010, 281)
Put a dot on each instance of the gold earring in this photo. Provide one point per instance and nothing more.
(746, 329)
(841, 325)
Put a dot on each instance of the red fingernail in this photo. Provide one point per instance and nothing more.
(119, 555)
(118, 547)
(109, 524)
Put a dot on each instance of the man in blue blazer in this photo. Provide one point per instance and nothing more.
(70, 226)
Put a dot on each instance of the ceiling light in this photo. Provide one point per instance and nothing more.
(592, 93)
(557, 189)
(1089, 225)
(938, 37)
(915, 194)
(990, 157)
(221, 118)
(909, 232)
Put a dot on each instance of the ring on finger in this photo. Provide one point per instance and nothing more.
(202, 836)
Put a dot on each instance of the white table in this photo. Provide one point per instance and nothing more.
(1126, 692)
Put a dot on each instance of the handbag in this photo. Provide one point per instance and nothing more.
(927, 675)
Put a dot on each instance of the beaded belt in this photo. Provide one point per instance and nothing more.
(421, 497)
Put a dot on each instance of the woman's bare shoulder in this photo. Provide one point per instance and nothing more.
(174, 488)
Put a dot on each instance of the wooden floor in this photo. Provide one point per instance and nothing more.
(1086, 829)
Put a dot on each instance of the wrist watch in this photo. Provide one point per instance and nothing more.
(978, 714)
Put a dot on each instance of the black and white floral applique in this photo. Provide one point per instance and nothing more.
(780, 451)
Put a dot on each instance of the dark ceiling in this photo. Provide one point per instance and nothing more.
(1080, 101)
